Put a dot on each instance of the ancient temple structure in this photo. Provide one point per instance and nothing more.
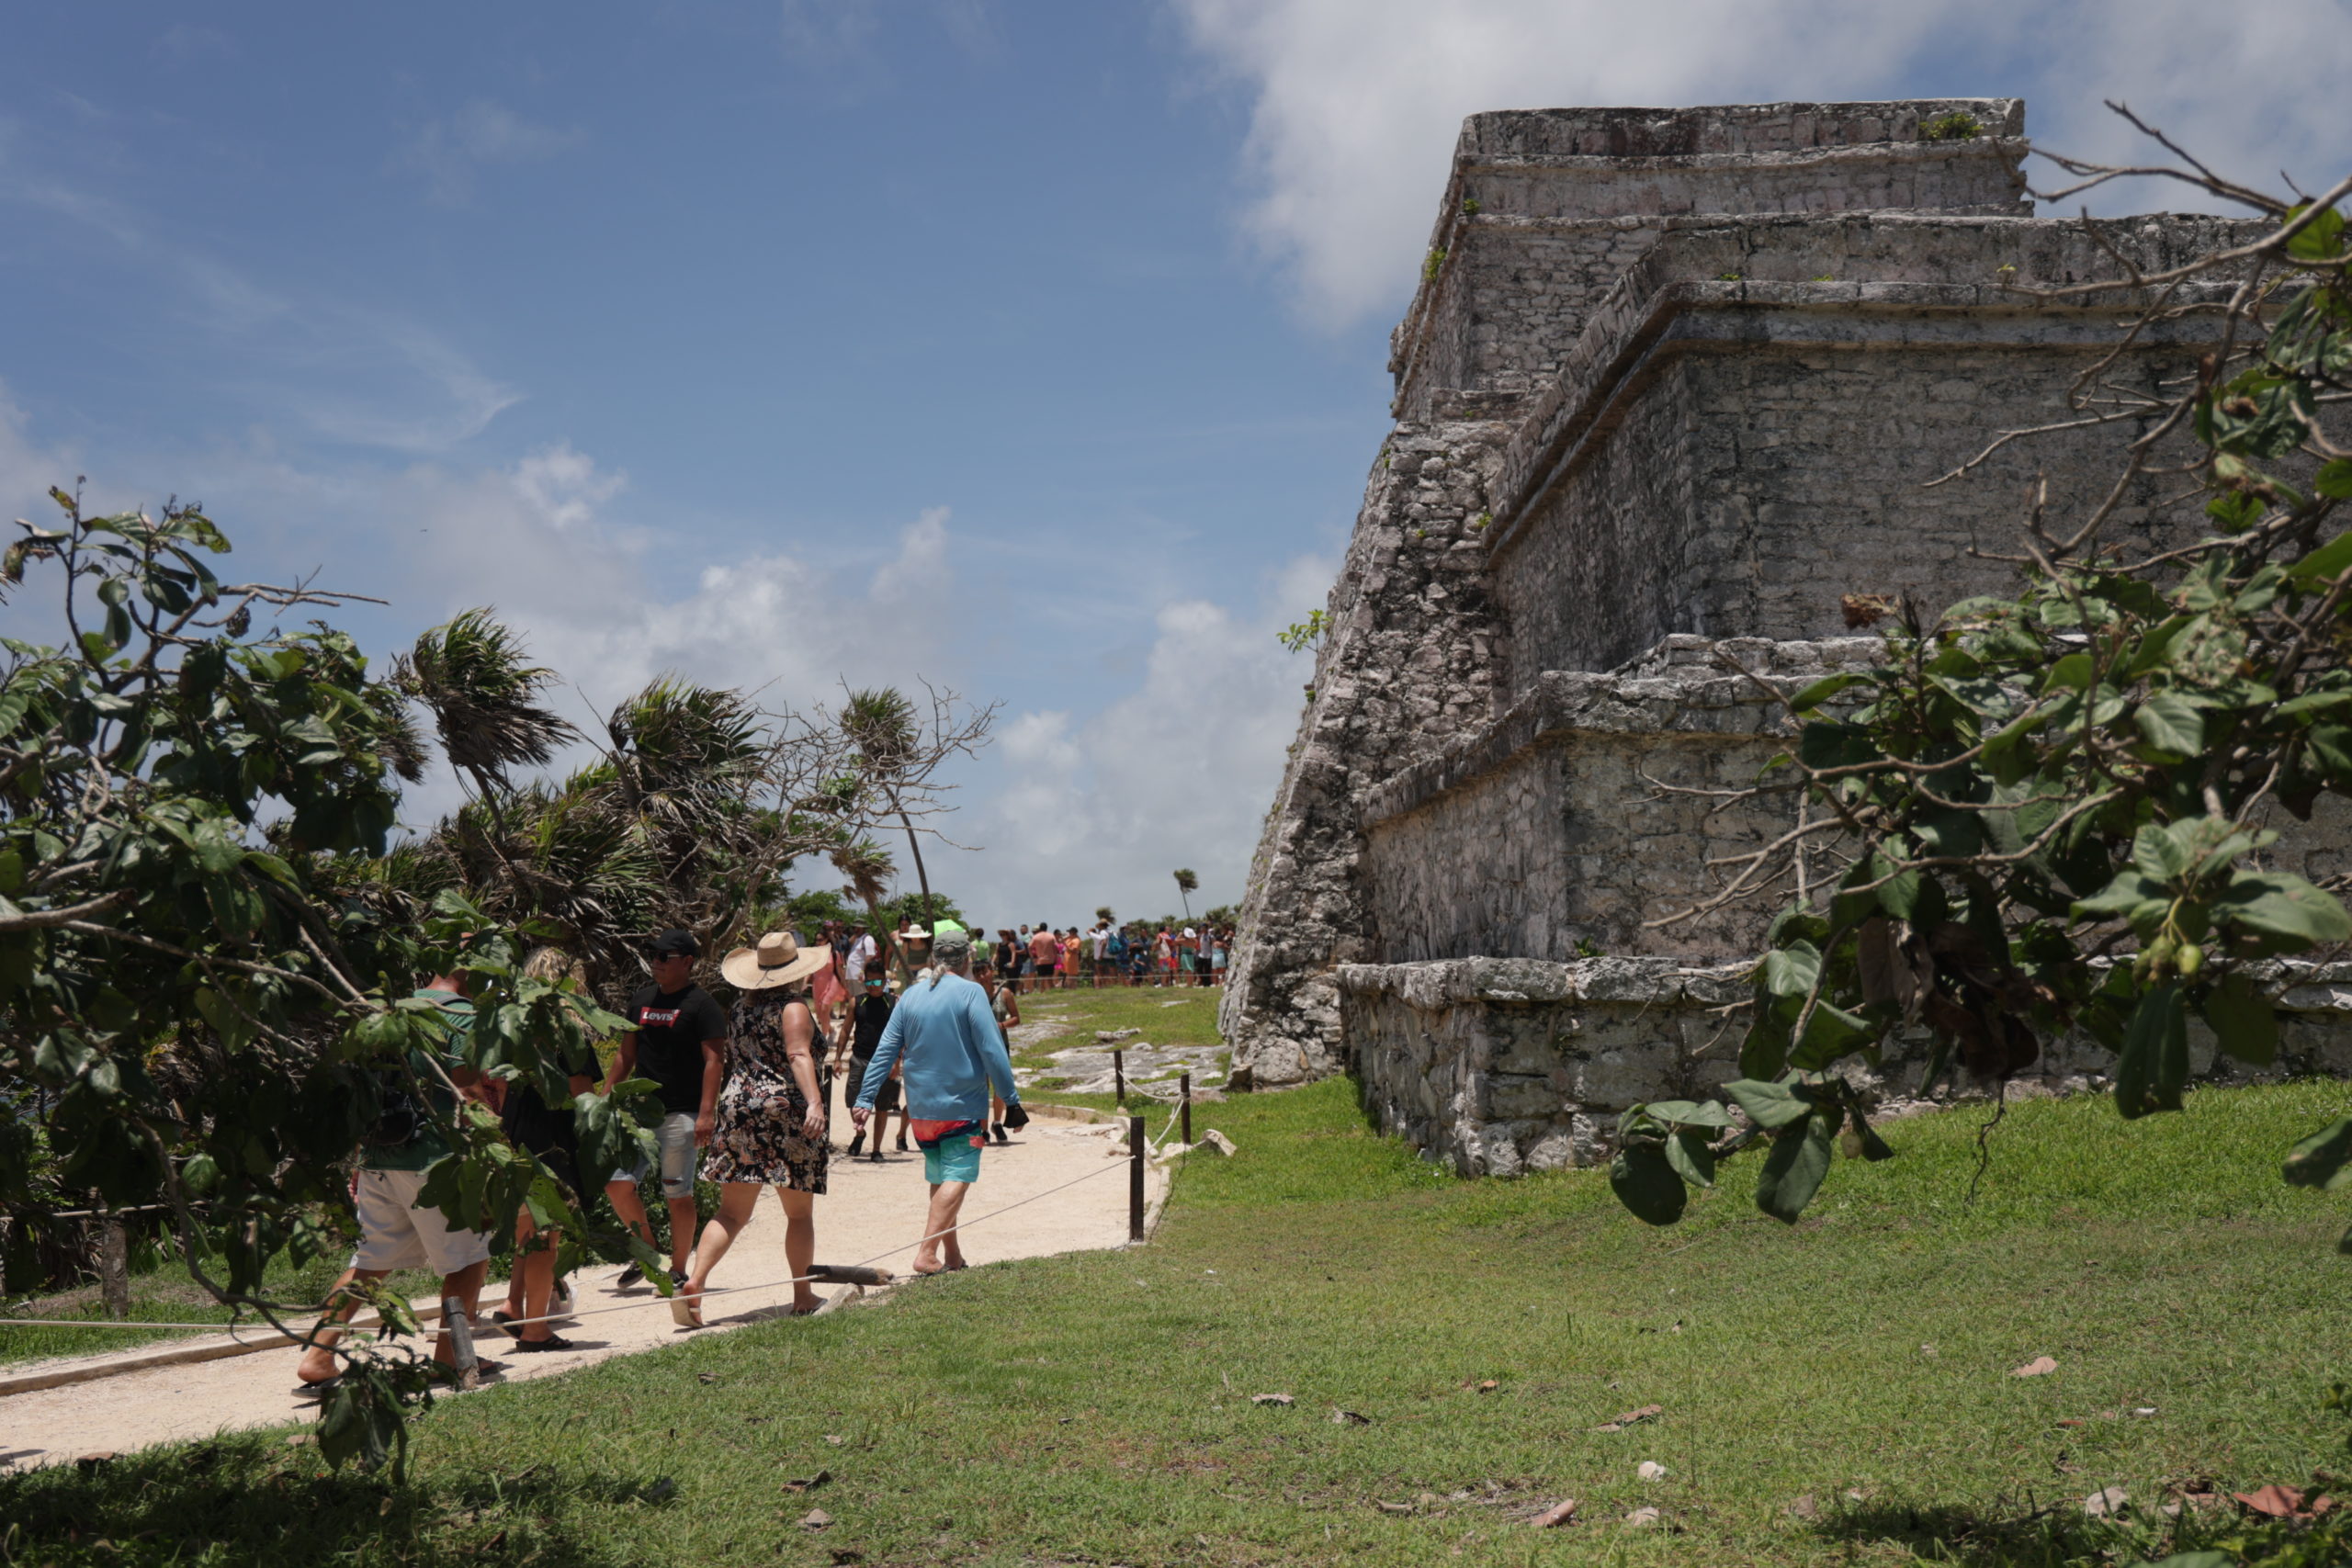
(1676, 381)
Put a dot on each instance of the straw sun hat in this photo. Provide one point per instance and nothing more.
(778, 960)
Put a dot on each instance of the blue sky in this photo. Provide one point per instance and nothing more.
(1033, 347)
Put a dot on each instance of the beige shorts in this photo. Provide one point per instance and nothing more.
(395, 1233)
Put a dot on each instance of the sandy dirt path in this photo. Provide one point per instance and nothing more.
(868, 1209)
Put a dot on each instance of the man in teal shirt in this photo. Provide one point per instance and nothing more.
(394, 1234)
(953, 1055)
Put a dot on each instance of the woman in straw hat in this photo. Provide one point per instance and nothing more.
(770, 1126)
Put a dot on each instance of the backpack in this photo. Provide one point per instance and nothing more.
(398, 1116)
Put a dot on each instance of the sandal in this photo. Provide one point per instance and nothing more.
(506, 1321)
(320, 1389)
(552, 1342)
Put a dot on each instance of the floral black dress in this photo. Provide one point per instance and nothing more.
(757, 1133)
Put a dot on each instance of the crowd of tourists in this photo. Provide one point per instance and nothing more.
(920, 1030)
(1045, 957)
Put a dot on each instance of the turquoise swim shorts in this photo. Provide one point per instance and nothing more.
(956, 1158)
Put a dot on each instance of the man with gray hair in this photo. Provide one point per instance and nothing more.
(952, 1054)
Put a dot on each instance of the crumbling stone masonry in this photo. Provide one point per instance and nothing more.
(1675, 382)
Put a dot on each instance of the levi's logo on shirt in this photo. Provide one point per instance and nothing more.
(659, 1018)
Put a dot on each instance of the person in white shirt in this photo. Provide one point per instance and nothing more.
(862, 952)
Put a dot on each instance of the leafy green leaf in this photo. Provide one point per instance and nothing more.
(2126, 893)
(2170, 724)
(1768, 1105)
(2327, 562)
(1793, 1171)
(1645, 1183)
(2284, 907)
(1692, 1159)
(2333, 480)
(1791, 971)
(2320, 240)
(1821, 691)
(2243, 1021)
(2156, 1038)
(1826, 745)
(1689, 1112)
(1829, 1033)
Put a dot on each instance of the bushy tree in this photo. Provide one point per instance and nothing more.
(204, 971)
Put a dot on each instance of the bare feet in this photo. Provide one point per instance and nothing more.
(686, 1307)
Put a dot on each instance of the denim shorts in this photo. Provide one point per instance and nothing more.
(681, 1161)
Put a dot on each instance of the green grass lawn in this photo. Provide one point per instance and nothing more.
(1169, 1016)
(1097, 1408)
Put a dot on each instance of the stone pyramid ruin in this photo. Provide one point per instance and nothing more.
(1674, 384)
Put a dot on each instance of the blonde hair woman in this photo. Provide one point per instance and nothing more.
(769, 1130)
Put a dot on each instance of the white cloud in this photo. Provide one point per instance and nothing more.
(1356, 102)
(563, 485)
(612, 607)
(1176, 773)
(447, 151)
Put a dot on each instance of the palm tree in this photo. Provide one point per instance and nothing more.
(881, 725)
(1186, 885)
(471, 674)
(869, 868)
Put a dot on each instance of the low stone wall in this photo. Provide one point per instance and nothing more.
(1497, 1066)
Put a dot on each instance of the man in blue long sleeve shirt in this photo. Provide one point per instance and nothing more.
(953, 1056)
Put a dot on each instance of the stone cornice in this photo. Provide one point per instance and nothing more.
(1682, 687)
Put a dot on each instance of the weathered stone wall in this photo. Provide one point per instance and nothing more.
(1408, 664)
(1498, 1067)
(1746, 493)
(1532, 232)
(1559, 824)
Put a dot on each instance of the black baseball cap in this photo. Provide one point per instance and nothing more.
(675, 944)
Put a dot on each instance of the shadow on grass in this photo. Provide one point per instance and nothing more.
(2058, 1533)
(250, 1499)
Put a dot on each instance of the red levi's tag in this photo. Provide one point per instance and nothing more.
(659, 1018)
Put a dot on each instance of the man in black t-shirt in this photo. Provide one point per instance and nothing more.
(866, 1022)
(677, 1038)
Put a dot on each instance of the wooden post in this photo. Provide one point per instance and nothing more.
(1184, 1108)
(1135, 1146)
(460, 1329)
(1119, 1072)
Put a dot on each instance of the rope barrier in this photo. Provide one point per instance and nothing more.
(624, 1306)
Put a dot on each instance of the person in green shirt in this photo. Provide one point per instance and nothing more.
(394, 1234)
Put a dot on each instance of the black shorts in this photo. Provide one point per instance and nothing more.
(530, 1125)
(886, 1099)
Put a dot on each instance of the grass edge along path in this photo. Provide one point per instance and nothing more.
(1098, 1408)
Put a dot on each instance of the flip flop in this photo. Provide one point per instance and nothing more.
(507, 1320)
(322, 1388)
(552, 1342)
(687, 1311)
